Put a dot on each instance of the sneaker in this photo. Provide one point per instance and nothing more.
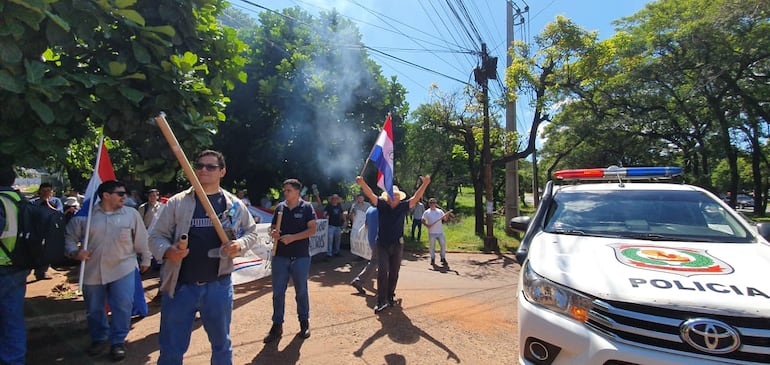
(118, 352)
(380, 307)
(392, 301)
(443, 262)
(357, 284)
(304, 328)
(432, 262)
(275, 333)
(97, 348)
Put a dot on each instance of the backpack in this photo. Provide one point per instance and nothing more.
(40, 235)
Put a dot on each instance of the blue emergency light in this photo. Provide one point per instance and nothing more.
(614, 172)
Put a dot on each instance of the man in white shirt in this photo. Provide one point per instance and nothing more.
(149, 209)
(433, 218)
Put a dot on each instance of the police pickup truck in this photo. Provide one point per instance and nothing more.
(619, 268)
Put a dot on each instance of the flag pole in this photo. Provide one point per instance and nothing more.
(370, 152)
(367, 160)
(91, 202)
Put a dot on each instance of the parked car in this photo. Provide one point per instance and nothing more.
(744, 201)
(618, 269)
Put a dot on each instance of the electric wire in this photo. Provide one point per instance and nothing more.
(399, 59)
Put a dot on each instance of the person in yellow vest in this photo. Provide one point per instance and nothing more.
(13, 280)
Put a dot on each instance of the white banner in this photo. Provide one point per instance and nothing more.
(255, 263)
(359, 243)
(319, 240)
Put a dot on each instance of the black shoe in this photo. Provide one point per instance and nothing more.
(275, 333)
(357, 284)
(443, 262)
(304, 328)
(118, 352)
(380, 307)
(97, 348)
(432, 262)
(42, 277)
(392, 301)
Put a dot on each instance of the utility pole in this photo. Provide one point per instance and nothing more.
(535, 180)
(488, 70)
(511, 168)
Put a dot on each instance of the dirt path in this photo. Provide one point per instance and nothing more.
(462, 314)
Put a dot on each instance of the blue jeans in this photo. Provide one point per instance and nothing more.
(298, 268)
(13, 335)
(214, 301)
(120, 296)
(432, 239)
(333, 244)
(417, 223)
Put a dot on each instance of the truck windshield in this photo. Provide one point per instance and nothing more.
(645, 214)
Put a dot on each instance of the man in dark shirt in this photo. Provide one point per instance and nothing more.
(292, 257)
(390, 246)
(334, 212)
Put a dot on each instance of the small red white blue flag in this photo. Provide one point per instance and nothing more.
(382, 155)
(103, 171)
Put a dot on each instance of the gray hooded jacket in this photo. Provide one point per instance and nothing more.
(174, 220)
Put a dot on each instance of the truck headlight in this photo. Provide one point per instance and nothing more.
(555, 297)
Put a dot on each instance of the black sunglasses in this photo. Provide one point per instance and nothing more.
(200, 166)
(118, 193)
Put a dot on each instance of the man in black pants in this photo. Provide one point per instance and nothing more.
(390, 247)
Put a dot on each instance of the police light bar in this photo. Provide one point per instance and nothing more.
(614, 172)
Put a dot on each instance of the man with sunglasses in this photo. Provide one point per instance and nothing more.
(115, 236)
(195, 280)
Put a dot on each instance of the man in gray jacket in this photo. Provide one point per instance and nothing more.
(197, 278)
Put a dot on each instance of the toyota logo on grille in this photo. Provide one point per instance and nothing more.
(710, 336)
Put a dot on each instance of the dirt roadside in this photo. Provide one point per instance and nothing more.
(464, 313)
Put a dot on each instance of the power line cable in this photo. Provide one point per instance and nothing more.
(366, 47)
(460, 22)
(414, 64)
(448, 29)
(383, 18)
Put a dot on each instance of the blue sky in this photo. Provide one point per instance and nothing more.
(425, 33)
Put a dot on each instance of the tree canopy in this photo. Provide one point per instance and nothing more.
(312, 107)
(69, 68)
(682, 82)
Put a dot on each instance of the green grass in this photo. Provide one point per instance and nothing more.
(460, 233)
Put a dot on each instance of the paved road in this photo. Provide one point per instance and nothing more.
(465, 313)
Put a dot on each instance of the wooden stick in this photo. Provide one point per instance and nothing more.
(367, 159)
(440, 219)
(277, 228)
(188, 171)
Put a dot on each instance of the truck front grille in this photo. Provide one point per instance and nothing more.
(657, 327)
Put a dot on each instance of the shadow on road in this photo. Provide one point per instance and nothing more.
(400, 329)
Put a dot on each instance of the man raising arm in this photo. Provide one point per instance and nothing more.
(390, 247)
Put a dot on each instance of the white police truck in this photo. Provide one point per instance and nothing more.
(619, 268)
